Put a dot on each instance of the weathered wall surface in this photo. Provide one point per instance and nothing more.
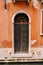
(4, 42)
(6, 23)
(35, 20)
(6, 27)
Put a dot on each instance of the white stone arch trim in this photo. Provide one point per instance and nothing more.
(29, 54)
(41, 22)
(21, 11)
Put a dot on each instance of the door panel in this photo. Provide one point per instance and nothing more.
(24, 38)
(17, 37)
(21, 33)
(21, 37)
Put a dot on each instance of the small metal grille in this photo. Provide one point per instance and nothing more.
(21, 18)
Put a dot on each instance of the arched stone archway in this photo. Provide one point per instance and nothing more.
(21, 33)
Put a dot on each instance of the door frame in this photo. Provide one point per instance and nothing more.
(21, 11)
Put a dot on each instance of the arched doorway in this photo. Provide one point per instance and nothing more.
(21, 38)
(21, 33)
